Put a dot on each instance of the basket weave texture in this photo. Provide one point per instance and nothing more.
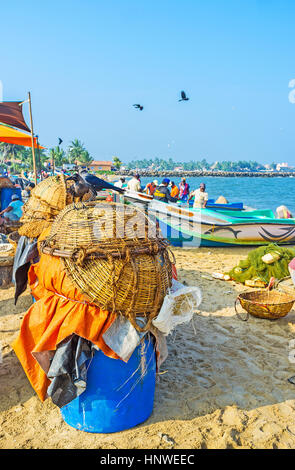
(5, 182)
(269, 304)
(115, 256)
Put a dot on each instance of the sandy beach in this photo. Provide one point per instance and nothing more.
(223, 385)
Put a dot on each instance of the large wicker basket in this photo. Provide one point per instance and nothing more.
(114, 254)
(269, 304)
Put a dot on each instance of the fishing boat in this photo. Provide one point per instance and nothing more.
(211, 204)
(207, 227)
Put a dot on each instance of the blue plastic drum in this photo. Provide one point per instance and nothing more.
(119, 395)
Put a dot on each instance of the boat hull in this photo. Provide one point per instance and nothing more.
(186, 227)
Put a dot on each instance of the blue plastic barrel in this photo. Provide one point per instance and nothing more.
(6, 195)
(118, 395)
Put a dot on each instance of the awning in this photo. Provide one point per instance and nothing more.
(12, 136)
(11, 113)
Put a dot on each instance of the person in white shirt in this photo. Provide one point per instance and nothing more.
(134, 184)
(200, 195)
(120, 183)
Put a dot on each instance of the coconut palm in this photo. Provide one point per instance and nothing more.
(75, 151)
(117, 162)
(58, 155)
(85, 157)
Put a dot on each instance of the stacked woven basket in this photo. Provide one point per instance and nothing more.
(114, 254)
(46, 201)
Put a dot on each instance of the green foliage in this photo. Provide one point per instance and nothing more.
(117, 163)
(193, 165)
(58, 155)
(76, 151)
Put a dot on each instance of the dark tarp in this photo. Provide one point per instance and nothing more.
(26, 252)
(11, 113)
(68, 369)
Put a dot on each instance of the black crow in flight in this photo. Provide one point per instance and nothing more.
(138, 106)
(183, 97)
(59, 141)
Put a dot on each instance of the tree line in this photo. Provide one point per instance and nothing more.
(160, 164)
(19, 158)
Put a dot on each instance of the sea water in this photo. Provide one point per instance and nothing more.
(256, 192)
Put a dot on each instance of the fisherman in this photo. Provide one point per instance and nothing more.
(162, 192)
(26, 192)
(120, 183)
(200, 195)
(134, 184)
(183, 190)
(151, 187)
(174, 190)
(13, 211)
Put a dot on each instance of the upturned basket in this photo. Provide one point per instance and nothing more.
(115, 255)
(268, 304)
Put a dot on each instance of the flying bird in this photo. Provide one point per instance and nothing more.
(138, 106)
(59, 141)
(183, 97)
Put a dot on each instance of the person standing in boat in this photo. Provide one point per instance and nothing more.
(134, 184)
(201, 197)
(162, 192)
(174, 190)
(183, 190)
(151, 187)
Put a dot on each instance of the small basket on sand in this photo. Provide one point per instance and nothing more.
(115, 256)
(268, 304)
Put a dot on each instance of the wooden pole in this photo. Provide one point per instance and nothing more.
(39, 159)
(32, 136)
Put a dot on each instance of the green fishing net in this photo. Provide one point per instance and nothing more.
(254, 268)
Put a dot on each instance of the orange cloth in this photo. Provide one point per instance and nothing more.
(53, 318)
(12, 136)
(174, 191)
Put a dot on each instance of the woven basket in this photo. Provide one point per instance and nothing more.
(13, 238)
(270, 304)
(47, 199)
(52, 191)
(5, 182)
(110, 257)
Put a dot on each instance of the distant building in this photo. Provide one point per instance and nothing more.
(100, 165)
(284, 167)
(178, 168)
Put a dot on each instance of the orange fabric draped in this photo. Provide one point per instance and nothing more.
(60, 311)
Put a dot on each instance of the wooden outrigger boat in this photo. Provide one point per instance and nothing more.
(206, 227)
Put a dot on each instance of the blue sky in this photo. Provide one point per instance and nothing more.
(87, 62)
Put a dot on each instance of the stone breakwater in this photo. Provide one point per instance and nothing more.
(187, 174)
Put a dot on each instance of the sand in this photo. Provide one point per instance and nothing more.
(223, 385)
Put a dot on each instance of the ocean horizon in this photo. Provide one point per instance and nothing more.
(255, 192)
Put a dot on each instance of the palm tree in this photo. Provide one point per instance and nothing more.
(85, 157)
(58, 155)
(8, 151)
(75, 151)
(117, 162)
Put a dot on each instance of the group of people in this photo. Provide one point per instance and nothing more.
(167, 191)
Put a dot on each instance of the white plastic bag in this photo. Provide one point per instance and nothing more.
(178, 307)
